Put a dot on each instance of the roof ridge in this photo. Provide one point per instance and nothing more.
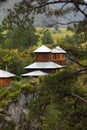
(43, 48)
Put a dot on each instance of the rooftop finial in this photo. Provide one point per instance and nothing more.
(6, 68)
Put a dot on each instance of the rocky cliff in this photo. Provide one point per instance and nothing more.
(16, 112)
(40, 19)
(4, 6)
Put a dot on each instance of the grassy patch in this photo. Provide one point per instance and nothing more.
(57, 36)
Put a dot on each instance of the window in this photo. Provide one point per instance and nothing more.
(62, 56)
(41, 56)
(56, 56)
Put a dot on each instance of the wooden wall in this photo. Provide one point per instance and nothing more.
(58, 58)
(5, 81)
(54, 57)
(42, 57)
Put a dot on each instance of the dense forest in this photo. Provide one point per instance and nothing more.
(53, 102)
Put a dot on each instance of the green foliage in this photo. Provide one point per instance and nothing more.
(51, 106)
(11, 92)
(9, 58)
(15, 60)
(69, 39)
(20, 38)
(80, 32)
(54, 107)
(59, 99)
(47, 38)
(17, 17)
(9, 126)
(1, 35)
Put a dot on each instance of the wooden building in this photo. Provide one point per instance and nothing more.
(46, 60)
(42, 54)
(58, 55)
(48, 67)
(5, 78)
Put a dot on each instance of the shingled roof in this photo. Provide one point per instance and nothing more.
(5, 74)
(43, 65)
(35, 73)
(43, 48)
(58, 49)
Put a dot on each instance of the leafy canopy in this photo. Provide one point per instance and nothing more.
(47, 38)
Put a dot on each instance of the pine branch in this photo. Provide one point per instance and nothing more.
(56, 22)
(77, 96)
(77, 62)
(73, 75)
(34, 7)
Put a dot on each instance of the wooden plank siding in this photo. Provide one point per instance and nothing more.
(42, 57)
(5, 81)
(47, 61)
(58, 58)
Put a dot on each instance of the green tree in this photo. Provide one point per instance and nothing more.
(60, 101)
(15, 60)
(21, 38)
(10, 58)
(69, 39)
(47, 38)
(1, 34)
(25, 8)
(80, 32)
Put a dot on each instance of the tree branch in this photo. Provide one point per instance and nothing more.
(77, 96)
(34, 7)
(73, 74)
(77, 62)
(82, 11)
(56, 22)
(64, 6)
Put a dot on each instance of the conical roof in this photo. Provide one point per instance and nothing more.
(5, 74)
(58, 49)
(43, 48)
(35, 73)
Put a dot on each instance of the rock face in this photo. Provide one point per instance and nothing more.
(16, 111)
(18, 108)
(40, 19)
(4, 5)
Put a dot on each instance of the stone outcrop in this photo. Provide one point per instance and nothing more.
(16, 111)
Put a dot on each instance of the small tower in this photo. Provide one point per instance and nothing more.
(43, 64)
(58, 55)
(42, 54)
